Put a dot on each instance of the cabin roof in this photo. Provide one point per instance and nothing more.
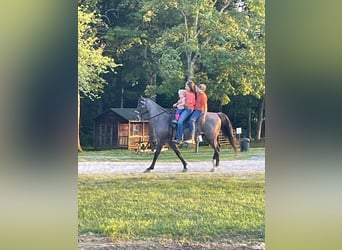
(127, 114)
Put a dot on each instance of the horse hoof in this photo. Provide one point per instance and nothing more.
(185, 170)
(213, 170)
(147, 170)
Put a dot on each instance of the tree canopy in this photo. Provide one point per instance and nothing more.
(220, 43)
(160, 44)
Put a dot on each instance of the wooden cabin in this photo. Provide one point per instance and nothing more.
(119, 128)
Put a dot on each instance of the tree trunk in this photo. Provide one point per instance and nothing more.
(190, 67)
(153, 82)
(78, 121)
(249, 121)
(122, 97)
(190, 55)
(260, 118)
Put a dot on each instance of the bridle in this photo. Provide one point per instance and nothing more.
(165, 111)
(150, 118)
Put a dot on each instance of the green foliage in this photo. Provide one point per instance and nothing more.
(216, 42)
(196, 207)
(250, 69)
(212, 43)
(220, 42)
(92, 64)
(170, 64)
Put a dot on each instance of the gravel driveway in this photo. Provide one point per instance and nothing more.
(252, 165)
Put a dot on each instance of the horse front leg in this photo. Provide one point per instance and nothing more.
(179, 155)
(155, 157)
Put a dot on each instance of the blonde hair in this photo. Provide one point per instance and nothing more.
(181, 92)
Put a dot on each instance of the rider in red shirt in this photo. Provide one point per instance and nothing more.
(200, 110)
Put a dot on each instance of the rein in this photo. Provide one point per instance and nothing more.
(156, 114)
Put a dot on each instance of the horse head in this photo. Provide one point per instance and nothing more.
(148, 109)
(141, 110)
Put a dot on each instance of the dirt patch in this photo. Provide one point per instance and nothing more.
(92, 241)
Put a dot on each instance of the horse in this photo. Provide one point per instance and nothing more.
(162, 132)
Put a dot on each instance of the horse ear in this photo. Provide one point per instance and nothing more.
(142, 100)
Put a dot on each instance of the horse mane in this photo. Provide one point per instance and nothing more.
(154, 103)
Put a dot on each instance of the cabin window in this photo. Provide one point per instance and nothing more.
(135, 129)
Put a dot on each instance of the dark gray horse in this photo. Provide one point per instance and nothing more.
(162, 132)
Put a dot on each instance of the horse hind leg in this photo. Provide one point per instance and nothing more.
(216, 157)
(215, 161)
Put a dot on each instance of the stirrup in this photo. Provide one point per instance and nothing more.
(190, 141)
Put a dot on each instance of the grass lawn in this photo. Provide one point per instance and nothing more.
(205, 154)
(186, 207)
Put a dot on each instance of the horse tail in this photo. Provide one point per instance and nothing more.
(227, 129)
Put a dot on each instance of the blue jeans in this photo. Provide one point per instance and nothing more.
(180, 124)
(179, 111)
(194, 117)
